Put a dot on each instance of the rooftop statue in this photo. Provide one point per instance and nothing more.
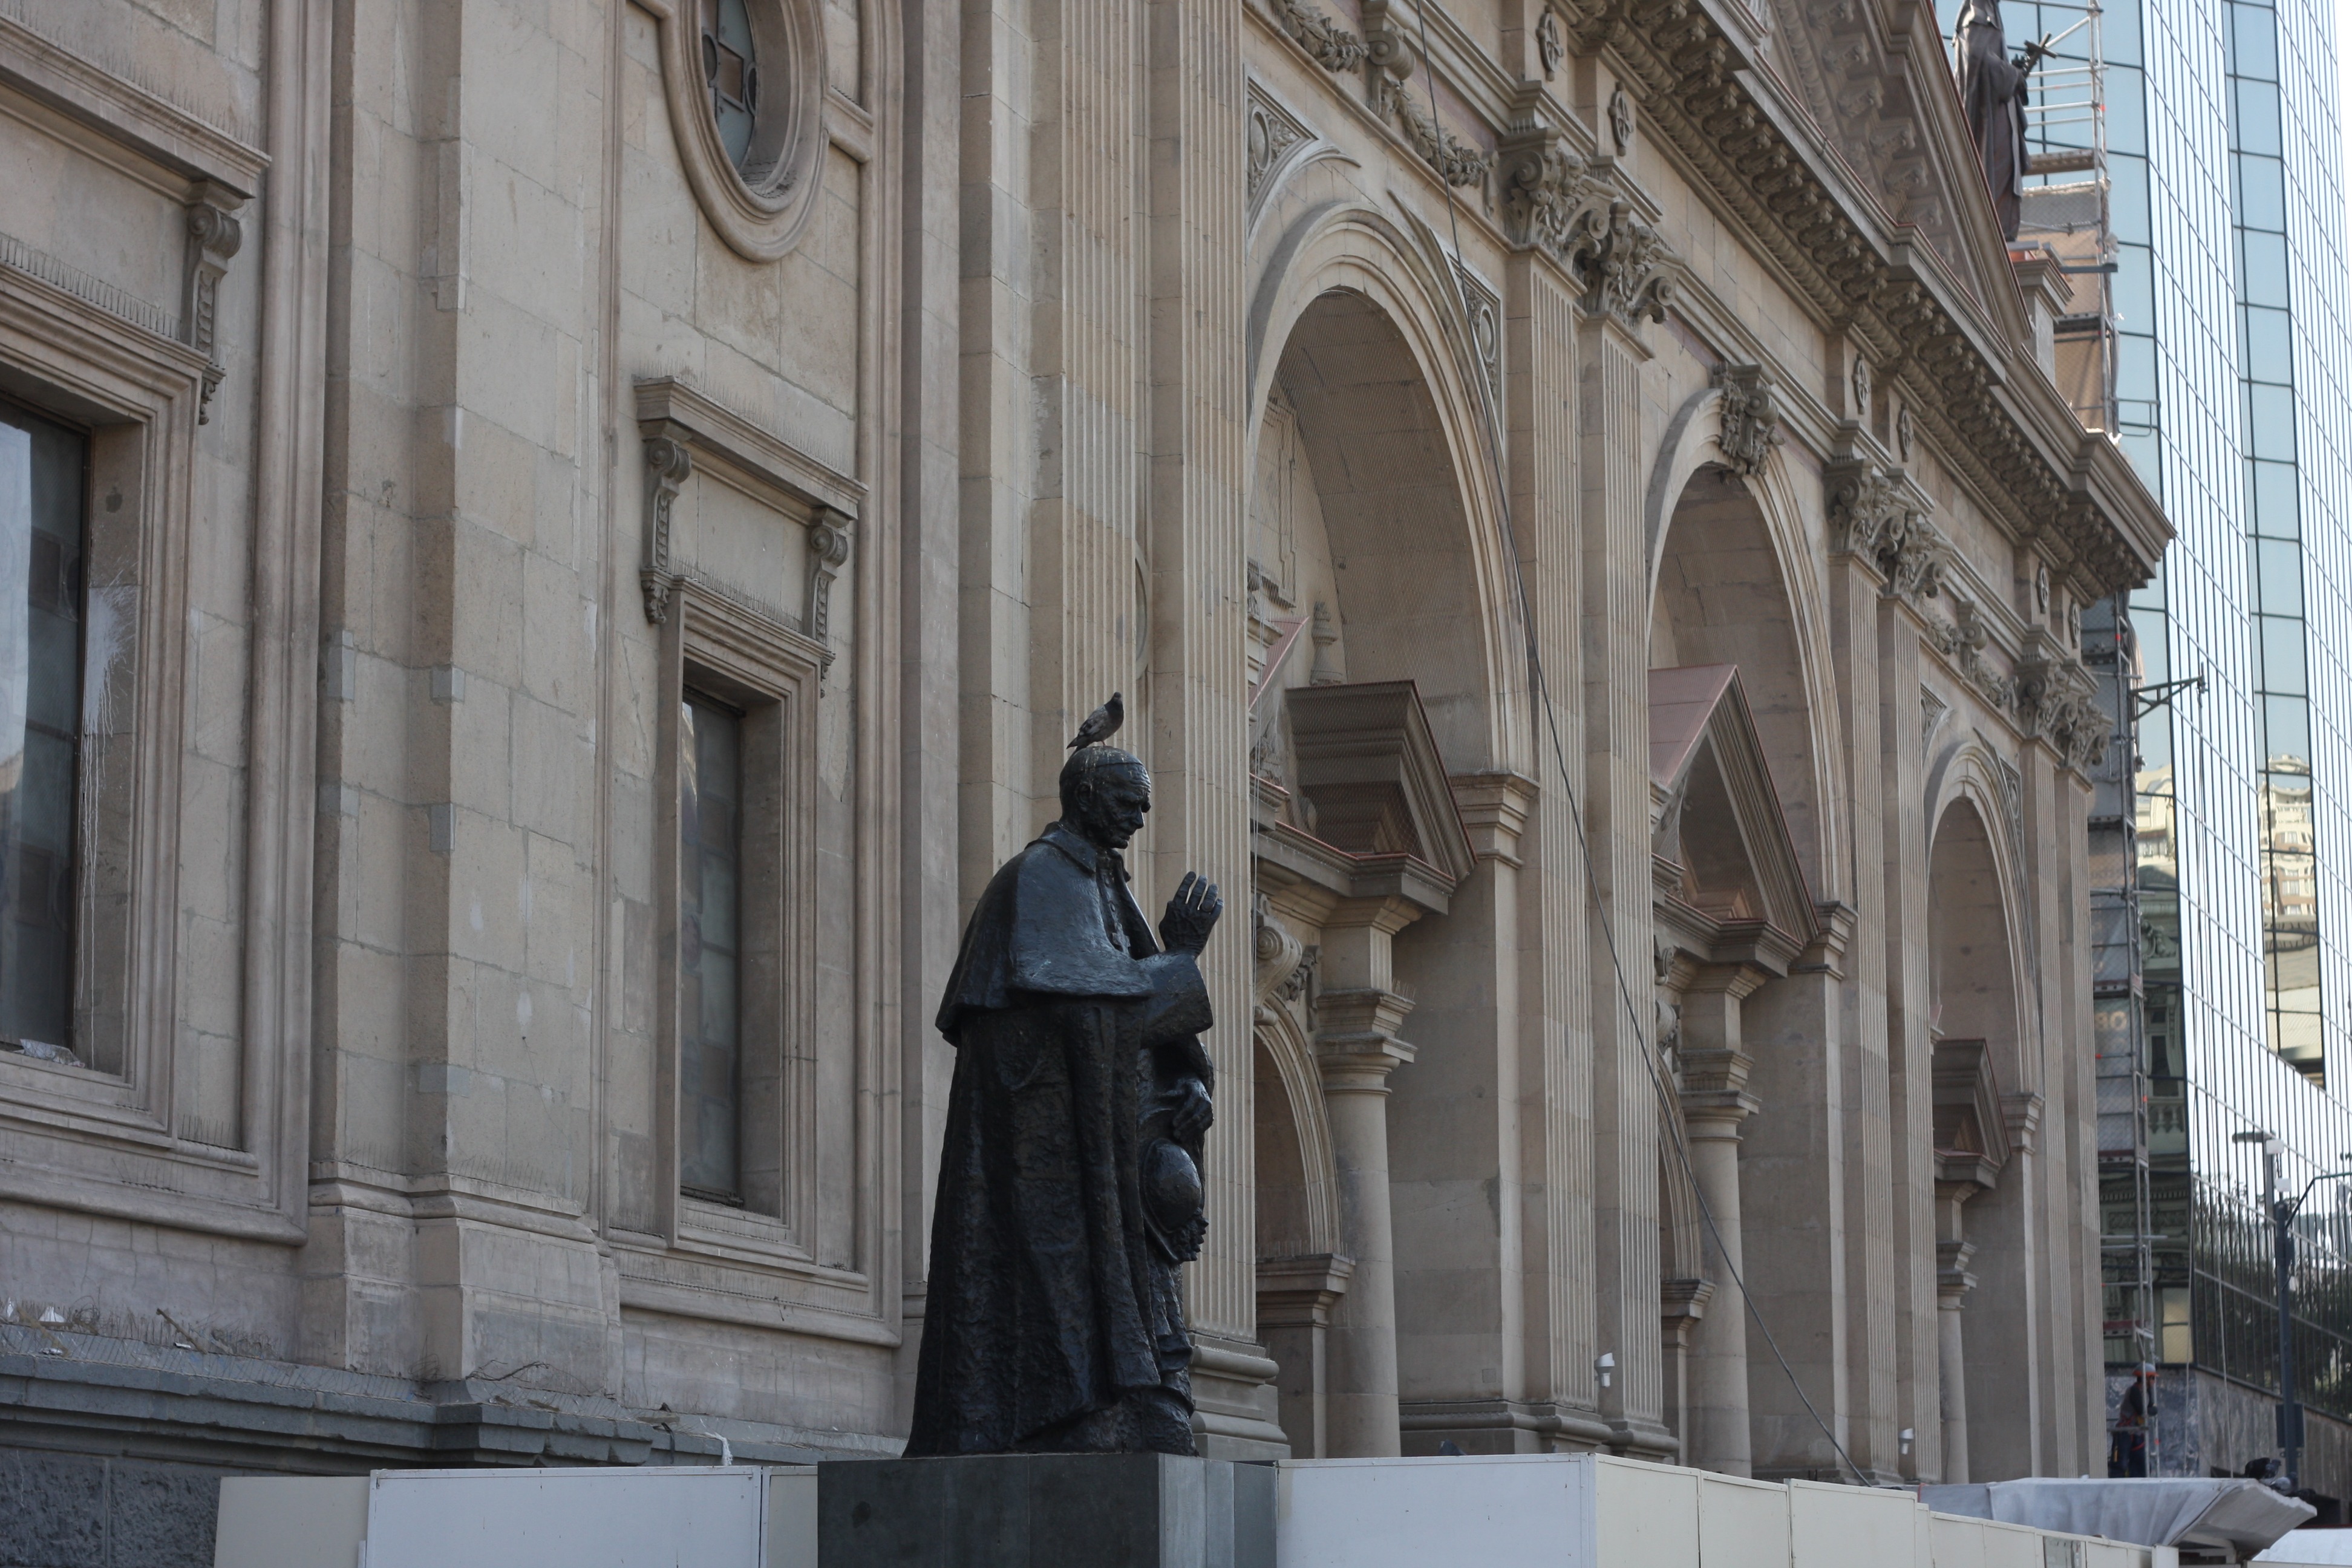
(1070, 1181)
(1992, 93)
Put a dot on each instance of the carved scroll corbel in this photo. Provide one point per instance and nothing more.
(828, 544)
(215, 235)
(667, 463)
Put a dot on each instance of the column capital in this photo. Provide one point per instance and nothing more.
(1495, 809)
(1953, 1279)
(1358, 1048)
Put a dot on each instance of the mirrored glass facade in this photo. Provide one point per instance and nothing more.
(2232, 358)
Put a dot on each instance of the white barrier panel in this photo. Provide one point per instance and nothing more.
(1588, 1512)
(736, 1516)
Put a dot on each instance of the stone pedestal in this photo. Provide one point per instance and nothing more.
(1046, 1511)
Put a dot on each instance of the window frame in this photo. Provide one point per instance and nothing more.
(772, 676)
(136, 396)
(759, 210)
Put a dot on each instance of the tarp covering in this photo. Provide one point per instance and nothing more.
(2239, 1516)
(2326, 1547)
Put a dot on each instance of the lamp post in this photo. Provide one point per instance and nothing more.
(2282, 1215)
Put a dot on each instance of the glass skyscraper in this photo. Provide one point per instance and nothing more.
(2230, 372)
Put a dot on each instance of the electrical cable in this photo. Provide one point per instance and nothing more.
(1670, 1112)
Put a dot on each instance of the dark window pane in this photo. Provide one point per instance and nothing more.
(710, 775)
(730, 70)
(40, 725)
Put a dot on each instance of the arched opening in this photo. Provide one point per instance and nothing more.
(1985, 1230)
(1749, 1065)
(1372, 652)
(1722, 598)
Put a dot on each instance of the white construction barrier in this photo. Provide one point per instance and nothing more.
(1526, 1511)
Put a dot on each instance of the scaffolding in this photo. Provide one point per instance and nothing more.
(2066, 216)
(2130, 1304)
(2065, 210)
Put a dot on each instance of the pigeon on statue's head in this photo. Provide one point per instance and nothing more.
(1100, 725)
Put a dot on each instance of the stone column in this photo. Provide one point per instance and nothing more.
(1715, 1102)
(1953, 1282)
(1357, 1049)
(1625, 1109)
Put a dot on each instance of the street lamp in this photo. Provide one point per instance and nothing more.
(2281, 1216)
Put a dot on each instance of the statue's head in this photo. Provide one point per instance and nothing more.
(1105, 794)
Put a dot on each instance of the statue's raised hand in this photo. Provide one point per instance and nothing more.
(1191, 915)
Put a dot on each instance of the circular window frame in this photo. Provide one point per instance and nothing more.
(759, 220)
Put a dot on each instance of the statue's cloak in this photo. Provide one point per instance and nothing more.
(1993, 95)
(1051, 1320)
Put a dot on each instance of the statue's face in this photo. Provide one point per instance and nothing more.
(1115, 808)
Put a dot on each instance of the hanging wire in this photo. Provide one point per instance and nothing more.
(1670, 1114)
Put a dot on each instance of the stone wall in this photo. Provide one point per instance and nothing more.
(1463, 371)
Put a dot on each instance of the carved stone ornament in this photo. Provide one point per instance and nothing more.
(1620, 122)
(1962, 640)
(2040, 589)
(2054, 702)
(1750, 420)
(1862, 388)
(1873, 517)
(214, 235)
(1271, 134)
(1457, 162)
(1903, 433)
(1551, 48)
(1557, 204)
(667, 463)
(828, 547)
(1484, 313)
(1332, 45)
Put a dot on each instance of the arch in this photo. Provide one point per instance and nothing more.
(1342, 268)
(1783, 651)
(1979, 989)
(1967, 773)
(1305, 1193)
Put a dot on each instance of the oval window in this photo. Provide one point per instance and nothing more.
(730, 70)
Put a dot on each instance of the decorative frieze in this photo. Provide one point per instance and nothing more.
(1457, 162)
(1332, 45)
(1963, 639)
(1749, 418)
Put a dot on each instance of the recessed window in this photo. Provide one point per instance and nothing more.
(730, 71)
(41, 516)
(710, 949)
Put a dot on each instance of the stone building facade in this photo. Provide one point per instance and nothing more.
(586, 524)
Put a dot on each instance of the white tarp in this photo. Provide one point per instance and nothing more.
(2239, 1515)
(2318, 1548)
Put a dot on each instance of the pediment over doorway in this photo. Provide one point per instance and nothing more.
(1971, 1128)
(1723, 855)
(1365, 758)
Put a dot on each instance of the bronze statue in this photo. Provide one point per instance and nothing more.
(1992, 93)
(1070, 1181)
